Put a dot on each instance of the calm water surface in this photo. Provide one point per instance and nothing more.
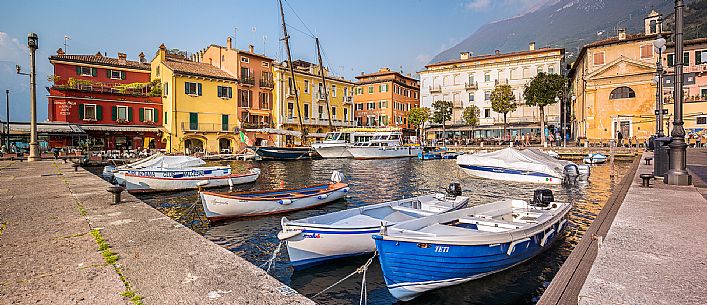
(374, 181)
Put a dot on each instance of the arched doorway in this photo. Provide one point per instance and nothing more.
(193, 145)
(224, 146)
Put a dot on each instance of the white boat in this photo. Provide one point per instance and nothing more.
(528, 165)
(384, 145)
(346, 233)
(335, 145)
(456, 247)
(228, 205)
(595, 158)
(174, 180)
(152, 163)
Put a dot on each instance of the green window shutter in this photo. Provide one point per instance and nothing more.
(78, 70)
(686, 59)
(198, 89)
(93, 71)
(141, 114)
(380, 88)
(155, 115)
(230, 92)
(122, 74)
(193, 121)
(224, 122)
(114, 113)
(186, 88)
(81, 110)
(99, 112)
(130, 114)
(108, 71)
(698, 57)
(165, 117)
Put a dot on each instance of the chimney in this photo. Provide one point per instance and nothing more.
(229, 45)
(464, 55)
(531, 46)
(142, 57)
(251, 48)
(622, 34)
(162, 52)
(384, 70)
(98, 54)
(121, 58)
(497, 52)
(60, 52)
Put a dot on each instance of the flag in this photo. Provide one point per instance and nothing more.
(245, 139)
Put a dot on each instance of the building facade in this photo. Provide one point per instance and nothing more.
(312, 101)
(111, 99)
(255, 86)
(613, 81)
(384, 98)
(200, 112)
(694, 86)
(470, 80)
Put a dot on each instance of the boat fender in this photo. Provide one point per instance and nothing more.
(285, 201)
(513, 244)
(546, 236)
(230, 184)
(337, 177)
(345, 190)
(322, 196)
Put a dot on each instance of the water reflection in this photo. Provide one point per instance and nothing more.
(375, 181)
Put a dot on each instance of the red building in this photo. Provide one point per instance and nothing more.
(110, 99)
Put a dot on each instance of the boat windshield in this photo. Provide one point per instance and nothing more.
(332, 136)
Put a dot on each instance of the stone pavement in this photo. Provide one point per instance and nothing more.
(656, 249)
(48, 256)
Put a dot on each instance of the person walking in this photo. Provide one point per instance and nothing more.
(620, 137)
(550, 139)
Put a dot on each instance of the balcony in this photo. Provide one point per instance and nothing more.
(696, 69)
(501, 82)
(250, 125)
(348, 99)
(471, 86)
(319, 96)
(134, 89)
(208, 127)
(457, 104)
(267, 83)
(486, 121)
(435, 89)
(247, 80)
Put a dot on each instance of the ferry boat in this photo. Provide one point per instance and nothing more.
(384, 145)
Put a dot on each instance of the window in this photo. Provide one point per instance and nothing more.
(701, 120)
(700, 57)
(526, 72)
(346, 91)
(647, 51)
(622, 92)
(703, 93)
(384, 88)
(471, 97)
(359, 90)
(306, 111)
(223, 57)
(370, 89)
(540, 69)
(359, 106)
(266, 64)
(333, 91)
(165, 89)
(346, 114)
(487, 95)
(122, 113)
(551, 70)
(487, 76)
(225, 92)
(487, 112)
(383, 104)
(306, 86)
(686, 59)
(333, 112)
(192, 88)
(245, 59)
(598, 58)
(157, 71)
(264, 99)
(224, 122)
(321, 111)
(671, 60)
(244, 98)
(165, 117)
(383, 120)
(89, 112)
(113, 74)
(290, 110)
(371, 105)
(193, 121)
(245, 72)
(85, 71)
(147, 114)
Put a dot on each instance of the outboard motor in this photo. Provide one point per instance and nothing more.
(571, 174)
(454, 189)
(542, 197)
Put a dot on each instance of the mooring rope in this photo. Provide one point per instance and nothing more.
(362, 269)
(270, 262)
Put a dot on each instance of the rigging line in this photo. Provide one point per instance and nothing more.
(300, 19)
(289, 26)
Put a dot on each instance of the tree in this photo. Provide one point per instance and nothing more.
(542, 91)
(417, 117)
(442, 114)
(471, 115)
(503, 101)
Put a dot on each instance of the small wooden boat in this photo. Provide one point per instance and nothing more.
(228, 205)
(284, 153)
(452, 248)
(595, 158)
(176, 180)
(317, 239)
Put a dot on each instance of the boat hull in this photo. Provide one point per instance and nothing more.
(220, 206)
(507, 174)
(144, 184)
(594, 159)
(333, 151)
(411, 268)
(281, 153)
(384, 152)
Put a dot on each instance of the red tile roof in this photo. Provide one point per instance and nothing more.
(181, 65)
(101, 60)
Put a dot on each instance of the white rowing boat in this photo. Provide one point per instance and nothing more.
(175, 180)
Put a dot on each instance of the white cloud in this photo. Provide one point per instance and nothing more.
(10, 48)
(477, 5)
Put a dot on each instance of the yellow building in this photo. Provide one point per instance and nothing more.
(612, 80)
(312, 101)
(199, 104)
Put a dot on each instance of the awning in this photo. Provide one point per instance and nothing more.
(121, 128)
(259, 112)
(293, 133)
(46, 128)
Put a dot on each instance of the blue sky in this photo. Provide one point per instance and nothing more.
(356, 36)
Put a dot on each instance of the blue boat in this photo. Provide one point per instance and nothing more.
(456, 247)
(284, 153)
(429, 155)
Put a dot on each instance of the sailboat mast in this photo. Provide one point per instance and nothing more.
(293, 84)
(321, 72)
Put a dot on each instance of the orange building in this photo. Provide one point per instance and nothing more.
(255, 88)
(384, 98)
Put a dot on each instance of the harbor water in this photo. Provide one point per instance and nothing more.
(374, 181)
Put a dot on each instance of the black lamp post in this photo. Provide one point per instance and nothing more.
(33, 44)
(659, 45)
(677, 175)
(7, 122)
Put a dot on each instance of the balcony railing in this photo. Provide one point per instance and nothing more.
(250, 125)
(457, 104)
(135, 89)
(319, 96)
(208, 127)
(348, 99)
(471, 86)
(486, 121)
(247, 80)
(320, 122)
(267, 83)
(435, 89)
(696, 69)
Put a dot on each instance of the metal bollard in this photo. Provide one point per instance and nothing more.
(76, 167)
(115, 190)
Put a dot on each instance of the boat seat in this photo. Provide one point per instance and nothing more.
(440, 229)
(357, 221)
(496, 223)
(398, 217)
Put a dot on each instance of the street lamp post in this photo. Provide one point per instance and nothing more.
(567, 119)
(7, 116)
(678, 175)
(659, 45)
(33, 44)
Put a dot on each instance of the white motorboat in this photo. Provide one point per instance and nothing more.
(528, 165)
(384, 145)
(152, 163)
(456, 247)
(345, 233)
(335, 145)
(595, 158)
(175, 180)
(230, 204)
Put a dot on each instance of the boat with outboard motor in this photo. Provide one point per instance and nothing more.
(528, 165)
(231, 204)
(283, 153)
(595, 158)
(320, 238)
(459, 246)
(384, 145)
(146, 181)
(163, 166)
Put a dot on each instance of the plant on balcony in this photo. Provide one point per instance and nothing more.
(54, 79)
(503, 101)
(121, 121)
(155, 87)
(417, 117)
(471, 115)
(542, 91)
(75, 83)
(442, 114)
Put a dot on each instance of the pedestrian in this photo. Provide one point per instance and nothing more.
(620, 136)
(517, 139)
(550, 138)
(527, 139)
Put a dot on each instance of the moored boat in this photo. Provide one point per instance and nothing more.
(595, 158)
(283, 153)
(239, 204)
(157, 165)
(384, 145)
(452, 248)
(204, 177)
(346, 233)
